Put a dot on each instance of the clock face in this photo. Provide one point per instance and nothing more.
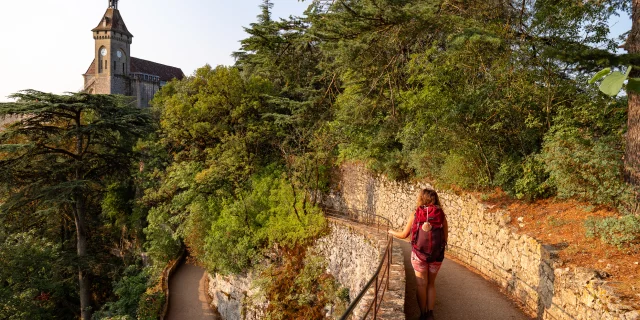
(119, 53)
(103, 52)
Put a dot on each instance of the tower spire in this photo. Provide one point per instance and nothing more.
(113, 4)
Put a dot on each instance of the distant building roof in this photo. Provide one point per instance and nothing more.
(92, 68)
(112, 21)
(166, 73)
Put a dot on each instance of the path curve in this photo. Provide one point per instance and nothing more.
(187, 297)
(460, 294)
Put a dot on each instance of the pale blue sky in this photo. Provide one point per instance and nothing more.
(47, 44)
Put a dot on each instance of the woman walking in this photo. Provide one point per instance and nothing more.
(429, 233)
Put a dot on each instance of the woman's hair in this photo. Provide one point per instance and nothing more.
(427, 197)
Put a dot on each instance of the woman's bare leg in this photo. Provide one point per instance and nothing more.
(422, 279)
(431, 289)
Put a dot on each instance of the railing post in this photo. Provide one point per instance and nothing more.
(375, 300)
(389, 261)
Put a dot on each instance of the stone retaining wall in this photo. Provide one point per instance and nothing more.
(352, 251)
(523, 267)
(234, 298)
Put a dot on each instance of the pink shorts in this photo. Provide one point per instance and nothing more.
(421, 266)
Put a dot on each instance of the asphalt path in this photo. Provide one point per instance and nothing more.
(187, 297)
(460, 294)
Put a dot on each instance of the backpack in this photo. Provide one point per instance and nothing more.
(428, 245)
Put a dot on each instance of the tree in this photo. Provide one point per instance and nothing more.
(33, 278)
(632, 150)
(56, 158)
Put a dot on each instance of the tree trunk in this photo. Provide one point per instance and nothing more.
(83, 277)
(81, 232)
(632, 150)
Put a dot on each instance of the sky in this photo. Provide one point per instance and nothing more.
(47, 45)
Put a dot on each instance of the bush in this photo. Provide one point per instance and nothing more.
(162, 243)
(463, 172)
(266, 215)
(34, 278)
(151, 305)
(586, 167)
(129, 289)
(623, 232)
(532, 184)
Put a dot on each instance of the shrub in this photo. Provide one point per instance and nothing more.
(34, 278)
(151, 305)
(623, 232)
(532, 183)
(463, 172)
(129, 289)
(268, 214)
(586, 167)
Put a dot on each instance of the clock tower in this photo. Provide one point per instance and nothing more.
(113, 69)
(112, 53)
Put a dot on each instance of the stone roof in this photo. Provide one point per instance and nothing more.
(112, 21)
(166, 73)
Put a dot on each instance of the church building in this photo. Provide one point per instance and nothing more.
(115, 71)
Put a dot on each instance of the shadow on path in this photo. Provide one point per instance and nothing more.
(187, 298)
(460, 294)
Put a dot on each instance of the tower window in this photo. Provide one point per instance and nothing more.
(123, 70)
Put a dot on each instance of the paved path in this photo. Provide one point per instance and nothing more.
(187, 298)
(460, 294)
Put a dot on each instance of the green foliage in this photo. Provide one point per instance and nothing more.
(242, 175)
(623, 232)
(532, 184)
(128, 291)
(601, 74)
(343, 295)
(56, 161)
(161, 243)
(459, 171)
(466, 94)
(266, 216)
(613, 82)
(151, 305)
(586, 167)
(65, 144)
(34, 278)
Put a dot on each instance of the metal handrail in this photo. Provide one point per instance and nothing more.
(360, 216)
(379, 291)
